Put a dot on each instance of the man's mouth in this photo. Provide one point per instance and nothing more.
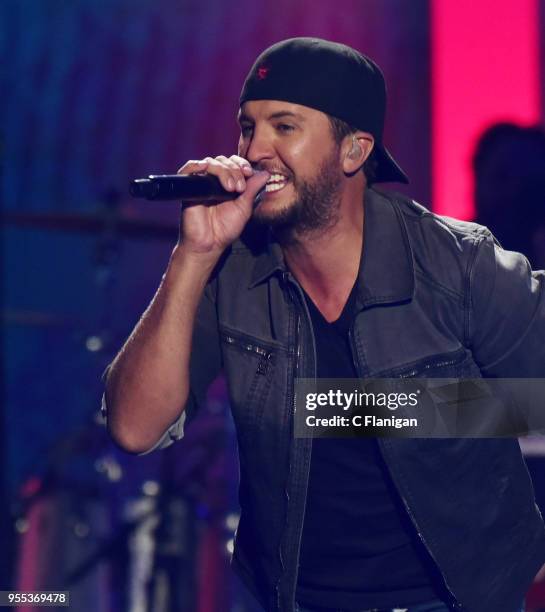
(276, 183)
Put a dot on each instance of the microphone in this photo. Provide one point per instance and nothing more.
(189, 189)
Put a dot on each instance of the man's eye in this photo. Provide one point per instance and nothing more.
(246, 130)
(285, 127)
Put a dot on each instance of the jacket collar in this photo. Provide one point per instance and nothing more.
(386, 273)
(270, 260)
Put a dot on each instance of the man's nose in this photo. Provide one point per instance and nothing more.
(259, 148)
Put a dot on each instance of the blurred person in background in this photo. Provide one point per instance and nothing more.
(509, 170)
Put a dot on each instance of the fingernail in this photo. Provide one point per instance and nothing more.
(248, 169)
(240, 185)
(230, 184)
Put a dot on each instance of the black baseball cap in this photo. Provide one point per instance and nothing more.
(329, 77)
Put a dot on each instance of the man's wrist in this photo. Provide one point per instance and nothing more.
(188, 258)
(194, 268)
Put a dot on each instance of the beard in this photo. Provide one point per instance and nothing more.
(315, 208)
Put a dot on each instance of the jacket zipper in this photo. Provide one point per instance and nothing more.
(357, 367)
(411, 515)
(426, 367)
(265, 356)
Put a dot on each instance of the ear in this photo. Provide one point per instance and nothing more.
(356, 148)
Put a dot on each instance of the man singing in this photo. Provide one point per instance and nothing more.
(339, 280)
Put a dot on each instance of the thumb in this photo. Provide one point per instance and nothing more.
(253, 185)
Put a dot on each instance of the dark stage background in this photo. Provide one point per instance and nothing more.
(95, 93)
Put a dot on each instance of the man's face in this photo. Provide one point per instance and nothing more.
(295, 144)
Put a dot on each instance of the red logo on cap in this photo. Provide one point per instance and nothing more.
(262, 72)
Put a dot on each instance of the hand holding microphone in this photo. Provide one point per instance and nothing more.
(209, 226)
(188, 188)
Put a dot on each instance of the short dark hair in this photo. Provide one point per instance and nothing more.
(340, 129)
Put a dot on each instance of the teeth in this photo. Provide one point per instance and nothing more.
(275, 183)
(276, 178)
(274, 186)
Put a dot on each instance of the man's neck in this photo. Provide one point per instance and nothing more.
(326, 263)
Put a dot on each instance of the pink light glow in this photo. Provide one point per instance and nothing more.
(485, 68)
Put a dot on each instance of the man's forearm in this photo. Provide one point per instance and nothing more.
(148, 382)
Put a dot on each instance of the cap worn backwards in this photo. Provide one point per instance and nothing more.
(329, 77)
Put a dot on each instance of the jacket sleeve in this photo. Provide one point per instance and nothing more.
(506, 313)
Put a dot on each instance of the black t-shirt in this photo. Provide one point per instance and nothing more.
(359, 547)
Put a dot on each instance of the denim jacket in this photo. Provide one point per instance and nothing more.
(437, 298)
